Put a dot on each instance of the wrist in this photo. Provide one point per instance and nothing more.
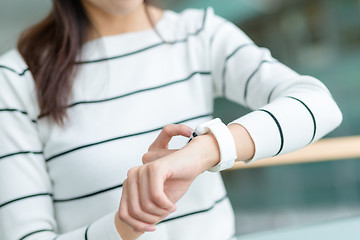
(205, 150)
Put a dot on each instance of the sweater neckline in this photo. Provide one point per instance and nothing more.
(159, 25)
(111, 45)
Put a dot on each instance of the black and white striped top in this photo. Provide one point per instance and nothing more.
(65, 182)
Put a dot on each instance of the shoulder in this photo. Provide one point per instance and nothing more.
(196, 16)
(193, 21)
(13, 62)
(17, 88)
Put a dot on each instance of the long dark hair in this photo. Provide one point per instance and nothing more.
(50, 49)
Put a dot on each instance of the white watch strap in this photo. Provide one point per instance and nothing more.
(225, 142)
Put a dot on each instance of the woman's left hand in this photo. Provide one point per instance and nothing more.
(151, 191)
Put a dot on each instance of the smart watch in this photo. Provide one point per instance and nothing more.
(224, 140)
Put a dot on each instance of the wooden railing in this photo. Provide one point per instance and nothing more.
(324, 150)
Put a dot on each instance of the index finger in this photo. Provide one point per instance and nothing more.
(168, 132)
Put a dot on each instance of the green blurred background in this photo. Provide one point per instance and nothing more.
(314, 37)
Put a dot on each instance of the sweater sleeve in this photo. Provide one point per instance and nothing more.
(290, 110)
(26, 205)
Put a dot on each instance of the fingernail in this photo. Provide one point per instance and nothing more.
(150, 229)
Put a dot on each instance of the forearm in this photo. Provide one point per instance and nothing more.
(245, 148)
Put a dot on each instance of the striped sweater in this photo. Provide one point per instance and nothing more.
(65, 182)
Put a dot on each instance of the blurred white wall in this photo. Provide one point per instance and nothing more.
(16, 15)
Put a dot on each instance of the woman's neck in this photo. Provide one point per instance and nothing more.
(105, 24)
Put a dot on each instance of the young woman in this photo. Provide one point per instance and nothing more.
(87, 92)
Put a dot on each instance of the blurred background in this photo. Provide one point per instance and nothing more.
(314, 37)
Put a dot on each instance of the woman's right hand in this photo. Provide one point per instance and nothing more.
(151, 190)
(158, 149)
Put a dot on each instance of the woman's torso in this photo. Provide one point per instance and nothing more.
(128, 87)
